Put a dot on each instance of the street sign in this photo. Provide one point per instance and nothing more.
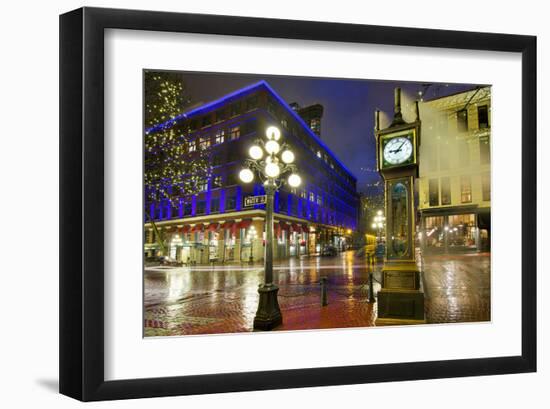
(254, 200)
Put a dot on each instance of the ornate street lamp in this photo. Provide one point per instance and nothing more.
(273, 163)
(378, 224)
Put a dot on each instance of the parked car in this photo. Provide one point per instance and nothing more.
(329, 250)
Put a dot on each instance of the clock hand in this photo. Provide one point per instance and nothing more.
(398, 149)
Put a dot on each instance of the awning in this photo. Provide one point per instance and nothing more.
(228, 224)
(243, 224)
(305, 228)
(213, 226)
(284, 225)
(185, 229)
(296, 228)
(198, 227)
(277, 228)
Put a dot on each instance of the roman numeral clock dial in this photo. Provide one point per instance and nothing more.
(398, 150)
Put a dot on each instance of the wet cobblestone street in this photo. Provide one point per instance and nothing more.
(457, 287)
(224, 298)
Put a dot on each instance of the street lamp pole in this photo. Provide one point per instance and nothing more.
(271, 162)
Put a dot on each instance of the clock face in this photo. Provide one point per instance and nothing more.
(398, 150)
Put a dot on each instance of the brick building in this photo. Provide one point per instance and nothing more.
(211, 224)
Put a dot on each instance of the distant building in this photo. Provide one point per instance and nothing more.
(311, 115)
(212, 225)
(455, 172)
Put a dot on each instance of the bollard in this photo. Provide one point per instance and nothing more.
(371, 286)
(324, 300)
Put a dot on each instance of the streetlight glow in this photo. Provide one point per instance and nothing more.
(272, 170)
(246, 175)
(256, 152)
(287, 156)
(273, 133)
(272, 147)
(294, 180)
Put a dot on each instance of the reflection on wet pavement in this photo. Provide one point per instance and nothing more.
(224, 298)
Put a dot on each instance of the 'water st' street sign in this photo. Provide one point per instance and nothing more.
(254, 200)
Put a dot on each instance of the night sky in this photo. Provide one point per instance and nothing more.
(349, 105)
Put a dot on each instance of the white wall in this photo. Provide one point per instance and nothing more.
(29, 169)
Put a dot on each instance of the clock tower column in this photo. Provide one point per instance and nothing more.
(401, 299)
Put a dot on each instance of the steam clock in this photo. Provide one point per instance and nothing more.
(401, 299)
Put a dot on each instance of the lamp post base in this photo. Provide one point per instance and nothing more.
(268, 315)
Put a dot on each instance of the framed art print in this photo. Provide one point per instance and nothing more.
(253, 204)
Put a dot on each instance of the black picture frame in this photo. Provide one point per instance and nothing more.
(82, 213)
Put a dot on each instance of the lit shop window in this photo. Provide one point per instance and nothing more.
(192, 146)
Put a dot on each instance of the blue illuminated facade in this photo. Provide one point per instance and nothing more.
(323, 210)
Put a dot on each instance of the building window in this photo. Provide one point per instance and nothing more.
(294, 206)
(215, 205)
(284, 123)
(486, 186)
(220, 115)
(319, 154)
(252, 103)
(319, 200)
(271, 108)
(303, 194)
(231, 202)
(315, 125)
(204, 142)
(231, 179)
(216, 159)
(445, 191)
(444, 155)
(442, 124)
(483, 117)
(217, 181)
(236, 109)
(430, 157)
(283, 203)
(187, 209)
(234, 132)
(193, 146)
(484, 150)
(202, 185)
(433, 192)
(463, 153)
(201, 207)
(220, 136)
(311, 197)
(462, 120)
(465, 189)
(206, 121)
